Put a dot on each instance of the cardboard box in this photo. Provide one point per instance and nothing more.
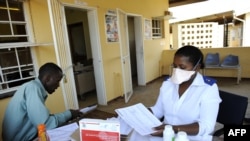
(99, 130)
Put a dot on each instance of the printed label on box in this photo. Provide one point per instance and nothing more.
(99, 130)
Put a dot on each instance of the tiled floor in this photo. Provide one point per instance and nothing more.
(87, 99)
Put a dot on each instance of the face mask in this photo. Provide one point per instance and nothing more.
(179, 75)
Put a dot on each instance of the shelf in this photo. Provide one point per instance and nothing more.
(23, 44)
(16, 80)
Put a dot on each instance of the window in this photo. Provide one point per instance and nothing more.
(157, 28)
(12, 22)
(16, 67)
(16, 63)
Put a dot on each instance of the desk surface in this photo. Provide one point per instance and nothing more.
(97, 114)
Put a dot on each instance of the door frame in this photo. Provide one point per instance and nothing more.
(125, 54)
(127, 82)
(95, 48)
(139, 46)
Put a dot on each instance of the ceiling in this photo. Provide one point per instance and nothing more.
(173, 3)
(221, 18)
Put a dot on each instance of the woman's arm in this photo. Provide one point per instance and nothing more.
(190, 129)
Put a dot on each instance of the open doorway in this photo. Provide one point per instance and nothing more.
(132, 50)
(81, 55)
(131, 47)
(136, 50)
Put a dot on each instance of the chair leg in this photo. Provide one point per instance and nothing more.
(219, 132)
(238, 75)
(246, 120)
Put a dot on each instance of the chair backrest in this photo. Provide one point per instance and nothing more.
(230, 61)
(232, 108)
(212, 60)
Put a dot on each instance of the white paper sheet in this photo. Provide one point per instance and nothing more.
(88, 109)
(139, 118)
(137, 137)
(62, 133)
(125, 129)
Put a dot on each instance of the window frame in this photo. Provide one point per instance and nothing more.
(29, 30)
(15, 45)
(157, 28)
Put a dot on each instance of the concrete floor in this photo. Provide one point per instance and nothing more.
(149, 93)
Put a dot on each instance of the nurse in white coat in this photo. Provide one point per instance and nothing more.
(188, 100)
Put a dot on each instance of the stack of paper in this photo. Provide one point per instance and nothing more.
(125, 129)
(62, 133)
(139, 118)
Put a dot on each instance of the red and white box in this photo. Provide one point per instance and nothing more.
(99, 130)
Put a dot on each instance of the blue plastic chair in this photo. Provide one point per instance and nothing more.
(212, 60)
(230, 61)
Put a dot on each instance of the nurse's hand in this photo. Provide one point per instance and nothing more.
(159, 130)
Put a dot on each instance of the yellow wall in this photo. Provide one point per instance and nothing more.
(42, 34)
(3, 105)
(110, 51)
(242, 52)
(235, 36)
(40, 21)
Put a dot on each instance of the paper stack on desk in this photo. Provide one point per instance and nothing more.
(63, 133)
(125, 129)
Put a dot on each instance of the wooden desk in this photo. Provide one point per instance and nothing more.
(95, 114)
